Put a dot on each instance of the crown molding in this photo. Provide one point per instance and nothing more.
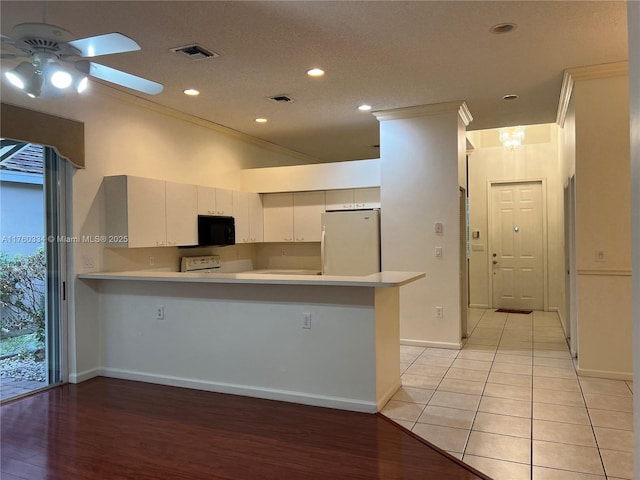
(171, 112)
(426, 110)
(565, 98)
(577, 74)
(593, 72)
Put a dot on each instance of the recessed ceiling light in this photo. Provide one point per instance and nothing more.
(503, 28)
(192, 92)
(315, 72)
(511, 96)
(364, 108)
(261, 120)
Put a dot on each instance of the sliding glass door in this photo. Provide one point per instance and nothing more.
(33, 186)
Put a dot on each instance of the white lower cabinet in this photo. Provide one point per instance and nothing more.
(182, 214)
(135, 213)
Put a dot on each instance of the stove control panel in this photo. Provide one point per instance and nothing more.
(193, 264)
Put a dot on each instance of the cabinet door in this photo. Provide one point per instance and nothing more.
(224, 202)
(241, 215)
(256, 218)
(367, 197)
(146, 214)
(307, 210)
(278, 217)
(339, 199)
(182, 214)
(206, 200)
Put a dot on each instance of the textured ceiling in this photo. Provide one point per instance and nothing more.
(387, 54)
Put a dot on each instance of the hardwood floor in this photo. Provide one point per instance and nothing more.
(117, 429)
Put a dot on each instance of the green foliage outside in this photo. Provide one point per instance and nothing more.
(22, 290)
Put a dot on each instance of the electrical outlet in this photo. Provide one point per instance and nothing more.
(306, 320)
(439, 312)
(87, 261)
(600, 256)
(152, 261)
(159, 312)
(438, 227)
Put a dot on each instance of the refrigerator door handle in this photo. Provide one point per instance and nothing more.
(322, 247)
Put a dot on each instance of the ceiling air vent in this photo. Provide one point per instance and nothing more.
(282, 98)
(195, 52)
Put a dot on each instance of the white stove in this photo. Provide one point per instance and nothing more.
(209, 263)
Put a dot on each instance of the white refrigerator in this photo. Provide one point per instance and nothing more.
(350, 242)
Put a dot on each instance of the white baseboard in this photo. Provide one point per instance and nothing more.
(426, 343)
(478, 305)
(86, 375)
(583, 372)
(249, 391)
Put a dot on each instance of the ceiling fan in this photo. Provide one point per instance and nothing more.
(57, 61)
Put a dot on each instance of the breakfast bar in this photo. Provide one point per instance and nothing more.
(322, 340)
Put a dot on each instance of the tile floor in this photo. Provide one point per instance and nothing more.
(510, 403)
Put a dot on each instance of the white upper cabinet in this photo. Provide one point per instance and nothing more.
(366, 198)
(293, 217)
(307, 210)
(135, 213)
(256, 218)
(182, 214)
(248, 214)
(278, 217)
(206, 200)
(339, 199)
(241, 216)
(224, 202)
(353, 199)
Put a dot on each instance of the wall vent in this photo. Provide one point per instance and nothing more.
(194, 52)
(282, 98)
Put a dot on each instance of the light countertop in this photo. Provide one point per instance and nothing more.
(381, 279)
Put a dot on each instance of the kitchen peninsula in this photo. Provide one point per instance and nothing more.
(321, 340)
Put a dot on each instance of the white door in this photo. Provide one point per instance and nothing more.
(516, 246)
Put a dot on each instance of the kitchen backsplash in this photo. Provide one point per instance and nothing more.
(234, 258)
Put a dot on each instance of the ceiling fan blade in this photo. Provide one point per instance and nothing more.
(119, 77)
(7, 56)
(104, 45)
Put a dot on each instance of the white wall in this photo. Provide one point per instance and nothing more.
(123, 136)
(328, 176)
(603, 222)
(536, 159)
(419, 186)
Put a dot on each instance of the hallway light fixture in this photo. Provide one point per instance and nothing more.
(511, 137)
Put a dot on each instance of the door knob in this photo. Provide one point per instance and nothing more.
(495, 262)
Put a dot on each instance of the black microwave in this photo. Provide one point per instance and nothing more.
(216, 231)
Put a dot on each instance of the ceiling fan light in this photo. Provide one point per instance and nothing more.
(82, 85)
(61, 79)
(14, 79)
(33, 87)
(19, 76)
